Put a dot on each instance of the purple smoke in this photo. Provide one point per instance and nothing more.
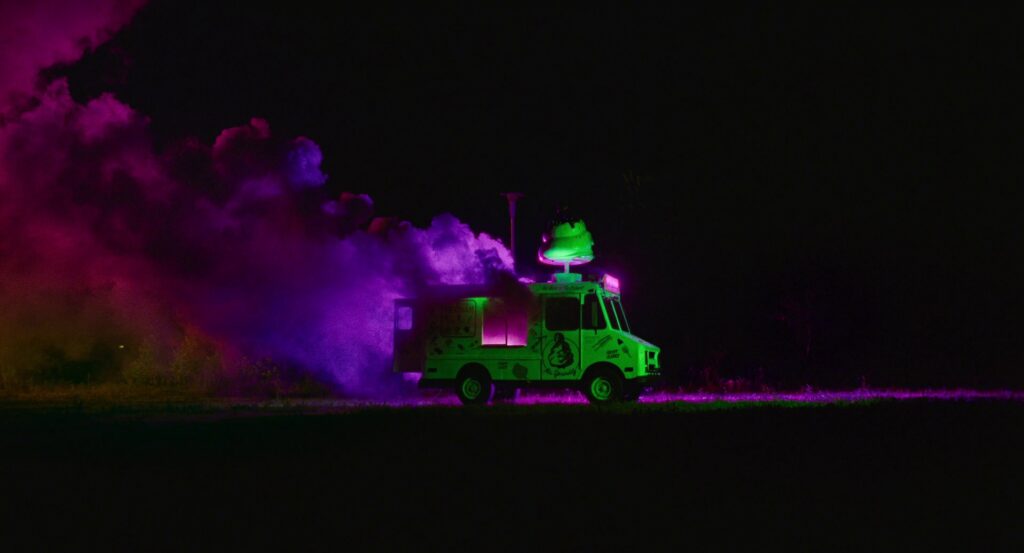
(235, 245)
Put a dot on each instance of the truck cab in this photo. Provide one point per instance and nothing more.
(568, 333)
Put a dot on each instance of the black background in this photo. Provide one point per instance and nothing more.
(793, 197)
(899, 476)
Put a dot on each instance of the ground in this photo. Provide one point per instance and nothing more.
(918, 474)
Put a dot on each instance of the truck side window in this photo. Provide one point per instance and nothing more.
(404, 317)
(593, 317)
(562, 313)
(504, 324)
(495, 327)
(456, 319)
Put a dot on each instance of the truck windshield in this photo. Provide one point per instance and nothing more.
(615, 313)
(612, 318)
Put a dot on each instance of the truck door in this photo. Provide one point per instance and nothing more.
(593, 329)
(409, 337)
(560, 356)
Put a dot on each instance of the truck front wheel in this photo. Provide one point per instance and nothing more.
(473, 386)
(603, 386)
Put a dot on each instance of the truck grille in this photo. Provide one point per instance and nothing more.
(653, 367)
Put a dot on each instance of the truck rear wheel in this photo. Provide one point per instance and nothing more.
(603, 386)
(473, 386)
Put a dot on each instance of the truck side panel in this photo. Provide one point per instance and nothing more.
(455, 338)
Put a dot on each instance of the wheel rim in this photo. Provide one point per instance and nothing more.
(601, 388)
(471, 388)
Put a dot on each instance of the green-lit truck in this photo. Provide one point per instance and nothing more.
(570, 333)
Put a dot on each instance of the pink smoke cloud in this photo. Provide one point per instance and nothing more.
(104, 241)
(99, 219)
(40, 33)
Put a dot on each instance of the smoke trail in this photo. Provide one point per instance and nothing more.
(114, 256)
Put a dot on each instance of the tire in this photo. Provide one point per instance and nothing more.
(473, 386)
(603, 386)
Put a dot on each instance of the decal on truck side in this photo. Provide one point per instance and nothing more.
(560, 355)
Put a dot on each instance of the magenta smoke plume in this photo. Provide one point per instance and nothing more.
(106, 243)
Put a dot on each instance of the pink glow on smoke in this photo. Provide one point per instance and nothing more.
(37, 34)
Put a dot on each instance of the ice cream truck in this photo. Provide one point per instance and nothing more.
(570, 333)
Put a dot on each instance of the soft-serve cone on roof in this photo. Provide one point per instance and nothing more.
(569, 243)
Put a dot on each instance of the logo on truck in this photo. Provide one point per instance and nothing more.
(560, 356)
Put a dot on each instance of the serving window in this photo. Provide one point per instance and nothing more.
(504, 323)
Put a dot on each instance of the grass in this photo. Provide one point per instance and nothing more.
(98, 396)
(158, 401)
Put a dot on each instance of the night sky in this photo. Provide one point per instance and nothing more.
(825, 198)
